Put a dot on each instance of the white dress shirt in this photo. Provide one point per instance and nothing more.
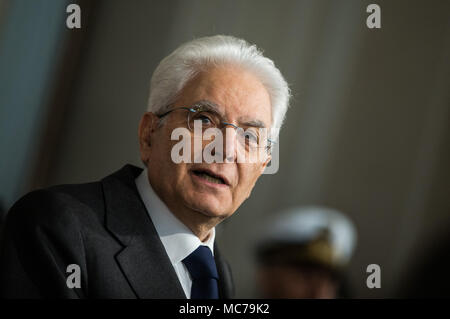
(178, 240)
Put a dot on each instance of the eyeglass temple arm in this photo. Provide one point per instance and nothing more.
(181, 107)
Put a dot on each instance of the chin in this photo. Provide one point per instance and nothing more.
(211, 208)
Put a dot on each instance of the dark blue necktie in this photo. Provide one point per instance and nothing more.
(202, 267)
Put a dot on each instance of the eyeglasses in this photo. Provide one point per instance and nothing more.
(252, 138)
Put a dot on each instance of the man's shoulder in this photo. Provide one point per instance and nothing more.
(61, 204)
(69, 203)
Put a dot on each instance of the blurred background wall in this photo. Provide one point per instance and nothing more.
(367, 132)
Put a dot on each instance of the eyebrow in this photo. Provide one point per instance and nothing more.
(254, 123)
(212, 106)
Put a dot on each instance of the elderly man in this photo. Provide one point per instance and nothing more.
(150, 233)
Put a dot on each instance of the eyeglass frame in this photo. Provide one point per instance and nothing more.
(197, 108)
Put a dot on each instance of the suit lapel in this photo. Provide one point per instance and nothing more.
(143, 259)
(226, 287)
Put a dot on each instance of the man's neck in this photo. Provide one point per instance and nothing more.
(198, 222)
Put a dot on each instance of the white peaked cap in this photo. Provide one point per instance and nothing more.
(304, 224)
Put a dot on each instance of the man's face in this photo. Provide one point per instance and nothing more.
(241, 99)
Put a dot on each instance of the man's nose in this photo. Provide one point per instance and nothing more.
(230, 145)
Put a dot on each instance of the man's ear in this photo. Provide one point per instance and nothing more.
(147, 126)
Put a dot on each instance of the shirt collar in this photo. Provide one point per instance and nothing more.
(178, 240)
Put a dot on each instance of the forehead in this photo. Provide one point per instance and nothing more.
(239, 94)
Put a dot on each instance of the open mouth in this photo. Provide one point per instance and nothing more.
(209, 176)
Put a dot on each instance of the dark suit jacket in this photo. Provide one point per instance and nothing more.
(105, 229)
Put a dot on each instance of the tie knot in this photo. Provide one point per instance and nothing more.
(200, 263)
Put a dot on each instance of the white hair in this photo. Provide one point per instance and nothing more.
(175, 70)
